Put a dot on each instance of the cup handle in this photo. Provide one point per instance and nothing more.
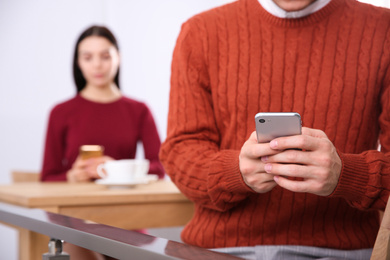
(100, 171)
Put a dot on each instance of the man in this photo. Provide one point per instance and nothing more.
(327, 60)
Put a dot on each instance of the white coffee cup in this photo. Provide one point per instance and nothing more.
(123, 171)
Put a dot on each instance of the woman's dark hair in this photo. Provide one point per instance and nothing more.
(91, 31)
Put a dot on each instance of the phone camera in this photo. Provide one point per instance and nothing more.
(262, 120)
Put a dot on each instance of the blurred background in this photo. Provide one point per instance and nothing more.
(37, 39)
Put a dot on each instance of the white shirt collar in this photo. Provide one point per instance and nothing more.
(275, 10)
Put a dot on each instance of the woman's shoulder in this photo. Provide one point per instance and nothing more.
(136, 107)
(66, 105)
(133, 102)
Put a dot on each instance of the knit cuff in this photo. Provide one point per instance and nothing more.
(353, 178)
(233, 177)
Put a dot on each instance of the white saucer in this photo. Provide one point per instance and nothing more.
(149, 178)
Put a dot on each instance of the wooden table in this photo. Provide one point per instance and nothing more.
(158, 204)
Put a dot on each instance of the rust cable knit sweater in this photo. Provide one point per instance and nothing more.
(332, 67)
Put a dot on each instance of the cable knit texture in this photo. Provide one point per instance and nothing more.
(332, 67)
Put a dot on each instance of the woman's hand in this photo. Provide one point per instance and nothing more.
(314, 169)
(85, 170)
(252, 168)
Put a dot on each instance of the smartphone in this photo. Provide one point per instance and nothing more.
(276, 124)
(91, 151)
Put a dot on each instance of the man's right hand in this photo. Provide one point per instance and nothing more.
(251, 166)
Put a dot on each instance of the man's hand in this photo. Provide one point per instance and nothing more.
(252, 168)
(317, 166)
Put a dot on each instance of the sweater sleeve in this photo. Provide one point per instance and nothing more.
(365, 178)
(191, 154)
(52, 168)
(151, 143)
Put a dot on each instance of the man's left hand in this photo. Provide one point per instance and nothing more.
(315, 168)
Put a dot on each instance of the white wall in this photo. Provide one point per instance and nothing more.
(37, 38)
(384, 3)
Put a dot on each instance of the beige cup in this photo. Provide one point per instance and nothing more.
(123, 171)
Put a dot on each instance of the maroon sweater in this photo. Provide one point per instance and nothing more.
(117, 126)
(332, 67)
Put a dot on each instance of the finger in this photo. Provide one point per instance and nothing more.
(288, 170)
(313, 132)
(290, 157)
(93, 175)
(261, 183)
(107, 158)
(253, 137)
(308, 186)
(80, 163)
(250, 166)
(256, 179)
(256, 150)
(265, 187)
(293, 185)
(91, 171)
(94, 162)
(298, 142)
(78, 176)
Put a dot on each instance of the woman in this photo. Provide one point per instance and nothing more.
(98, 115)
